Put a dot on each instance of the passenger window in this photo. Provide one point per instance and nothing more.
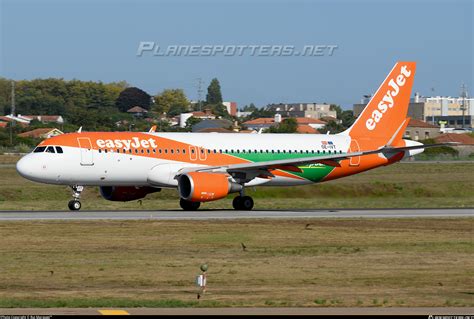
(50, 149)
(39, 149)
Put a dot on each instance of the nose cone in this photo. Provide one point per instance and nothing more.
(25, 167)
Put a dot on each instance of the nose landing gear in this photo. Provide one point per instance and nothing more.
(75, 204)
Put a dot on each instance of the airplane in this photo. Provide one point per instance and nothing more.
(205, 167)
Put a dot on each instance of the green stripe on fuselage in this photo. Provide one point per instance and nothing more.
(311, 172)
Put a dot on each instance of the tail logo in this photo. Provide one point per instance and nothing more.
(388, 99)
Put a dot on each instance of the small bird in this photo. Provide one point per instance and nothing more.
(307, 227)
(51, 272)
(244, 248)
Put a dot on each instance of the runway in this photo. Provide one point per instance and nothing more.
(424, 311)
(232, 214)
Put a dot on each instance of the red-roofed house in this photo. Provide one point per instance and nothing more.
(41, 133)
(419, 130)
(44, 118)
(467, 147)
(266, 122)
(454, 137)
(138, 111)
(306, 129)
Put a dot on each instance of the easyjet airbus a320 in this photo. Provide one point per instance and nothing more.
(208, 166)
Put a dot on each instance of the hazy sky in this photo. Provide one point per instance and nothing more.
(98, 40)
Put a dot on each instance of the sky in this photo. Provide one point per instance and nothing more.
(98, 41)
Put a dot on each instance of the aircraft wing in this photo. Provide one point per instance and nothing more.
(293, 163)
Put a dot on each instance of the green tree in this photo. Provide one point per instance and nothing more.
(192, 121)
(347, 118)
(171, 98)
(176, 109)
(337, 108)
(131, 97)
(249, 108)
(214, 95)
(289, 125)
(332, 127)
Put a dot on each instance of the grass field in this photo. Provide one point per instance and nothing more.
(344, 262)
(399, 185)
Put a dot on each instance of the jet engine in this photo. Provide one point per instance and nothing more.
(205, 187)
(125, 193)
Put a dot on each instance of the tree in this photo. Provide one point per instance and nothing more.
(176, 109)
(289, 125)
(347, 118)
(249, 108)
(214, 95)
(337, 108)
(332, 127)
(131, 97)
(171, 98)
(190, 122)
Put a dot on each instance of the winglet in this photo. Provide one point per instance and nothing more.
(79, 130)
(152, 129)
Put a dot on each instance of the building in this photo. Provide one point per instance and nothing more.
(212, 124)
(436, 110)
(44, 118)
(138, 111)
(17, 119)
(231, 107)
(305, 124)
(267, 122)
(206, 115)
(419, 130)
(41, 133)
(467, 147)
(243, 113)
(312, 110)
(306, 129)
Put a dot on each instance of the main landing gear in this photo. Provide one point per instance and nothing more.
(187, 205)
(75, 204)
(242, 202)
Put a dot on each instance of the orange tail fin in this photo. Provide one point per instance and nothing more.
(387, 110)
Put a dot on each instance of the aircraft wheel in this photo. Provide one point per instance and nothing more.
(242, 203)
(247, 203)
(74, 205)
(237, 203)
(187, 205)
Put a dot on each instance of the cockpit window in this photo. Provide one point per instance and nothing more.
(39, 149)
(59, 149)
(50, 149)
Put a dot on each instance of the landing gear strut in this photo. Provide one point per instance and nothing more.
(187, 205)
(242, 202)
(75, 204)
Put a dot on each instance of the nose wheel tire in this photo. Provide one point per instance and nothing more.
(74, 205)
(187, 205)
(243, 203)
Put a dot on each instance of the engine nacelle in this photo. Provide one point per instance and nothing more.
(205, 187)
(125, 193)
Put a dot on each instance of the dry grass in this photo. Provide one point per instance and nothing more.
(409, 262)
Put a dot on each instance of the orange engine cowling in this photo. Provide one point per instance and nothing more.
(205, 187)
(125, 193)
